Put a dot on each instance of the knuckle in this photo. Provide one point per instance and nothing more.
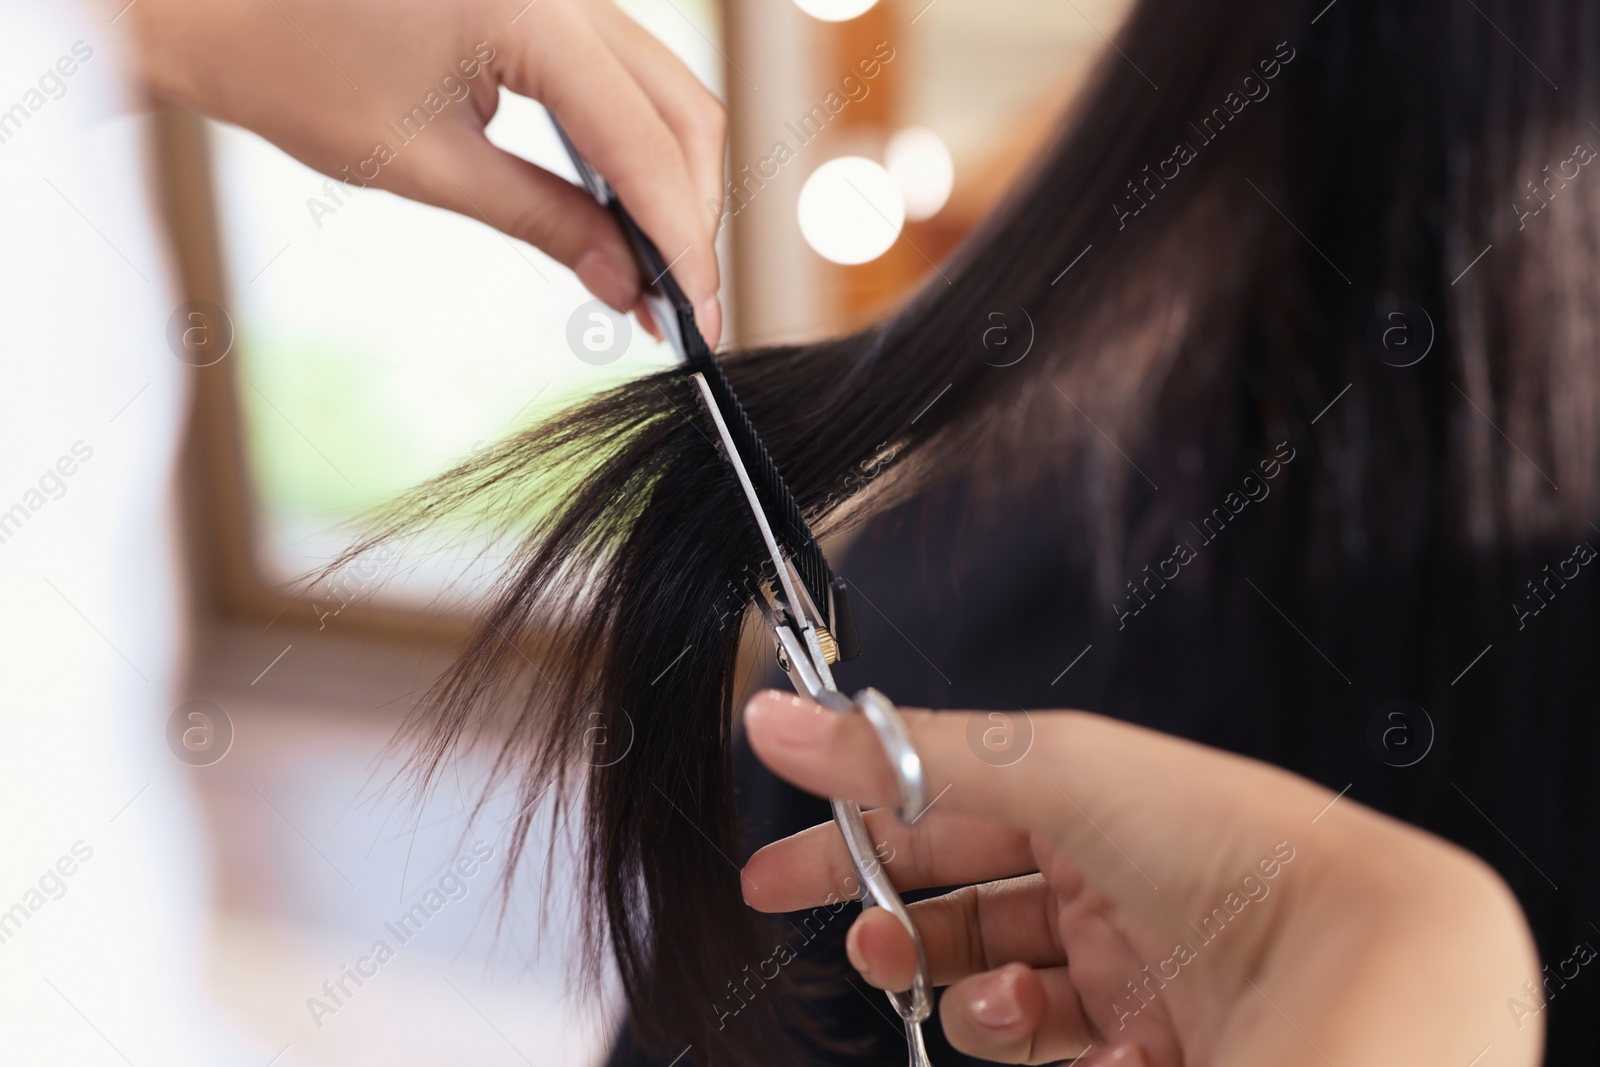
(709, 119)
(970, 944)
(533, 221)
(842, 871)
(655, 156)
(554, 229)
(919, 857)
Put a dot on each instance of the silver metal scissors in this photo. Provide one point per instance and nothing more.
(807, 640)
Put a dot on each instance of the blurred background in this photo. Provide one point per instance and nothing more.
(346, 344)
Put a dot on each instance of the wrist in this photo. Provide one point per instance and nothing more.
(1420, 940)
(154, 53)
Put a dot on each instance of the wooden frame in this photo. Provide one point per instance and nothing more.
(218, 507)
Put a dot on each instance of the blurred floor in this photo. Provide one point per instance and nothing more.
(318, 856)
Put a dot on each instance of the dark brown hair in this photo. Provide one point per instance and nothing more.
(1243, 190)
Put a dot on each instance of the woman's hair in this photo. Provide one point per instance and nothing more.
(1247, 215)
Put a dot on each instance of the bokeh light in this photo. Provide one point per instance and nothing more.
(921, 166)
(834, 10)
(851, 210)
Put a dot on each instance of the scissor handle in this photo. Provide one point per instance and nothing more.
(915, 1005)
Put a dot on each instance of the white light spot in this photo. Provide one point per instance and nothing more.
(834, 10)
(921, 166)
(851, 210)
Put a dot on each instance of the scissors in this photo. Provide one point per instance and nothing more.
(804, 606)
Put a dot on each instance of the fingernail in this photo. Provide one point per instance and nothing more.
(995, 1005)
(708, 314)
(852, 949)
(784, 719)
(608, 278)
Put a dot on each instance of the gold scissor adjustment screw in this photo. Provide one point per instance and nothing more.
(830, 647)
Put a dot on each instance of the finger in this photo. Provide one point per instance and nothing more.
(963, 933)
(1122, 1054)
(641, 311)
(693, 113)
(976, 930)
(471, 176)
(1016, 1014)
(1123, 997)
(569, 68)
(881, 951)
(938, 849)
(836, 754)
(1086, 781)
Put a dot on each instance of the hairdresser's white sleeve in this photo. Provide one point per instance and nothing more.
(102, 886)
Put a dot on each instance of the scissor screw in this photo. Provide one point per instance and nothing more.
(830, 647)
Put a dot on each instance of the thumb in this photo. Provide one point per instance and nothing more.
(839, 754)
(477, 179)
(1071, 776)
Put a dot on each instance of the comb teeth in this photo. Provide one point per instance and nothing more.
(794, 532)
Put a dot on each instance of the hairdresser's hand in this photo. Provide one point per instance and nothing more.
(1189, 906)
(333, 81)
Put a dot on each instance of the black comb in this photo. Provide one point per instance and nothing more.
(675, 315)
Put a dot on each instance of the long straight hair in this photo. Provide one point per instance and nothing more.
(1242, 188)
